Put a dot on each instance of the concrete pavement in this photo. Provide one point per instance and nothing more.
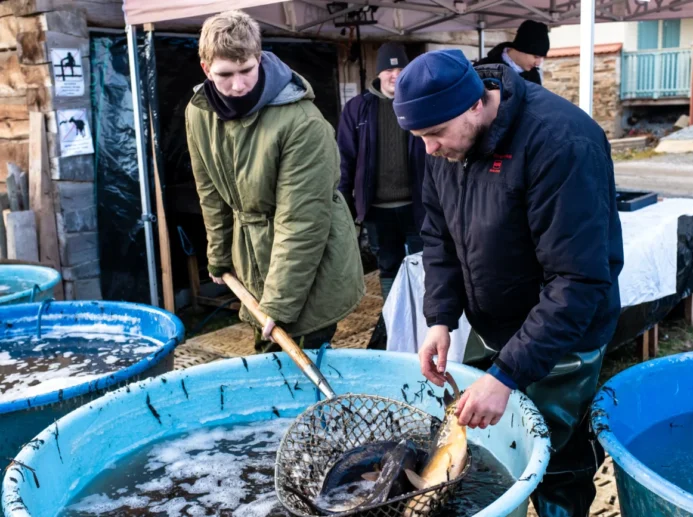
(668, 175)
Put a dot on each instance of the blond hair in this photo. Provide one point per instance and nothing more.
(230, 35)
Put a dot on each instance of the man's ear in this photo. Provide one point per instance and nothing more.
(205, 69)
(478, 106)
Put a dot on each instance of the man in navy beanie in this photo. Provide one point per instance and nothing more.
(521, 234)
(525, 54)
(382, 168)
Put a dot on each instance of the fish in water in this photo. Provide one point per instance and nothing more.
(368, 475)
(447, 458)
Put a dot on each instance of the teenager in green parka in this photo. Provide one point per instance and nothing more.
(266, 167)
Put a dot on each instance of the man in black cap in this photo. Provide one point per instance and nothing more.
(521, 234)
(382, 168)
(525, 54)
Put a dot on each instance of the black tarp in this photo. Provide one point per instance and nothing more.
(121, 231)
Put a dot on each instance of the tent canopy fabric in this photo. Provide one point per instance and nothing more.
(401, 18)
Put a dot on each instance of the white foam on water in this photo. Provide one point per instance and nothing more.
(100, 503)
(214, 469)
(37, 383)
(99, 332)
(261, 507)
(46, 369)
(172, 508)
(6, 359)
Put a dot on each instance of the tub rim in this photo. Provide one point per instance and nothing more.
(106, 381)
(53, 275)
(604, 401)
(515, 496)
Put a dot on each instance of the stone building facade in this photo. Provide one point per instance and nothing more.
(29, 29)
(562, 76)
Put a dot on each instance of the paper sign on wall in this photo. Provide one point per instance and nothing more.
(75, 136)
(67, 72)
(347, 91)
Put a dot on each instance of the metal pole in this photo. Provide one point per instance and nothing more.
(690, 93)
(362, 70)
(147, 216)
(586, 54)
(482, 43)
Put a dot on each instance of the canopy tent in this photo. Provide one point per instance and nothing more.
(405, 17)
(388, 18)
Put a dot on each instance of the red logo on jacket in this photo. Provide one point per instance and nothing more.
(498, 162)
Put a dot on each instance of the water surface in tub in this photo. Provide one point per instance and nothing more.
(667, 448)
(229, 470)
(31, 366)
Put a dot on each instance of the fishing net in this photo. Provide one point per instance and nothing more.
(328, 429)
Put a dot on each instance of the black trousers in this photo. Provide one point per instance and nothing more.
(563, 398)
(392, 232)
(309, 341)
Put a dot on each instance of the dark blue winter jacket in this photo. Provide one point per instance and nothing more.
(357, 137)
(525, 237)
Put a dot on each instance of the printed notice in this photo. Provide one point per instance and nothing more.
(347, 92)
(67, 72)
(75, 136)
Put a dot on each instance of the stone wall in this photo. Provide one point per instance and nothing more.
(28, 32)
(561, 76)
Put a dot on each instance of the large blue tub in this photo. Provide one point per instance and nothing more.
(25, 284)
(258, 388)
(100, 328)
(654, 398)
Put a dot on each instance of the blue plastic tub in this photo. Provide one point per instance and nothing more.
(655, 393)
(248, 390)
(102, 326)
(26, 284)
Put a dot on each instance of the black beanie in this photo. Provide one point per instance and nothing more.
(391, 55)
(532, 38)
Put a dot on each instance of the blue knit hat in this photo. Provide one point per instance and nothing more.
(434, 88)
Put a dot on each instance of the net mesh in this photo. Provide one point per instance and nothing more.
(328, 429)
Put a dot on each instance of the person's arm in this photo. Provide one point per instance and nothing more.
(216, 213)
(568, 209)
(303, 217)
(348, 142)
(444, 286)
(443, 282)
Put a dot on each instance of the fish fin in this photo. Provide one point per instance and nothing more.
(371, 476)
(417, 481)
(452, 382)
(447, 398)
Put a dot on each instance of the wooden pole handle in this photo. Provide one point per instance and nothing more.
(280, 336)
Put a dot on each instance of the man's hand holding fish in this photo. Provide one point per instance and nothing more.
(483, 403)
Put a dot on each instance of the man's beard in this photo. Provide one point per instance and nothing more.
(479, 132)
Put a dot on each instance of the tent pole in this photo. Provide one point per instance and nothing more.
(362, 70)
(147, 216)
(482, 43)
(586, 55)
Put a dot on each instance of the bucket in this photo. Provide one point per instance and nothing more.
(244, 390)
(35, 337)
(642, 416)
(25, 284)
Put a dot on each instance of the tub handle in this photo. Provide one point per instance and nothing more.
(34, 291)
(43, 305)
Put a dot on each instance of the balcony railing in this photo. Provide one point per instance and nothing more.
(656, 74)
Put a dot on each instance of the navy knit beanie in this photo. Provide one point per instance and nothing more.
(436, 87)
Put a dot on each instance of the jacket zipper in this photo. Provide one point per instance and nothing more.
(465, 266)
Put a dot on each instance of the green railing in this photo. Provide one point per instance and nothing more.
(656, 74)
